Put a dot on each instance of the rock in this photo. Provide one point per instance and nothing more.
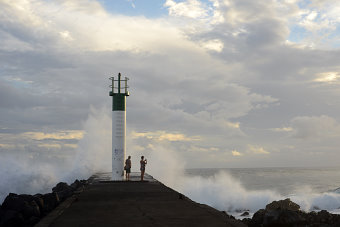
(12, 218)
(246, 221)
(323, 218)
(51, 200)
(32, 221)
(283, 205)
(64, 190)
(76, 184)
(2, 212)
(246, 213)
(39, 200)
(286, 213)
(180, 196)
(337, 190)
(25, 204)
(316, 208)
(228, 215)
(13, 202)
(84, 182)
(61, 186)
(31, 208)
(283, 218)
(257, 219)
(26, 210)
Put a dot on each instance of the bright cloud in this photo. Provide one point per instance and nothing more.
(214, 45)
(50, 146)
(164, 136)
(191, 8)
(284, 129)
(327, 77)
(236, 153)
(257, 149)
(74, 134)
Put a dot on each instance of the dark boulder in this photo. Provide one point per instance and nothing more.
(61, 186)
(228, 215)
(39, 200)
(2, 212)
(64, 190)
(286, 204)
(51, 200)
(12, 218)
(25, 204)
(287, 213)
(246, 213)
(246, 221)
(257, 219)
(283, 218)
(32, 221)
(13, 202)
(84, 182)
(76, 184)
(324, 217)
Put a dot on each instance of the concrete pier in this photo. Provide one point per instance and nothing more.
(133, 203)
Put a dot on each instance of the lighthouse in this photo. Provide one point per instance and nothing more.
(119, 93)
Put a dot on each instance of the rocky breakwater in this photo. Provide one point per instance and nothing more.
(27, 210)
(287, 213)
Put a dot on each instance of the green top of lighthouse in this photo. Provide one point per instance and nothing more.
(119, 97)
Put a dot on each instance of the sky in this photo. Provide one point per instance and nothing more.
(222, 83)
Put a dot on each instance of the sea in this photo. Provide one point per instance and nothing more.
(237, 190)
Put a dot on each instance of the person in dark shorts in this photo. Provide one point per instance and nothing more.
(142, 167)
(128, 168)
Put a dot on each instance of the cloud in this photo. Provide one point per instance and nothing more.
(213, 45)
(236, 153)
(162, 135)
(319, 21)
(327, 77)
(214, 74)
(62, 135)
(257, 150)
(315, 127)
(192, 8)
(49, 146)
(284, 129)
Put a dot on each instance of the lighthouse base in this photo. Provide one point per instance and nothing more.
(118, 144)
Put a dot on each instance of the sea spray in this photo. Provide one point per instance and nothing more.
(94, 149)
(225, 192)
(318, 201)
(36, 172)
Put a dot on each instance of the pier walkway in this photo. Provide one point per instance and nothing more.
(133, 203)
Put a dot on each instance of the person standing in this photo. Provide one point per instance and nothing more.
(128, 168)
(142, 167)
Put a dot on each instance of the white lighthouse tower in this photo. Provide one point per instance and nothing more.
(118, 94)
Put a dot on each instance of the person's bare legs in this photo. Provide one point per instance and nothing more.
(142, 175)
(128, 176)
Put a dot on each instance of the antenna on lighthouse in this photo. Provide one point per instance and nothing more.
(119, 93)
